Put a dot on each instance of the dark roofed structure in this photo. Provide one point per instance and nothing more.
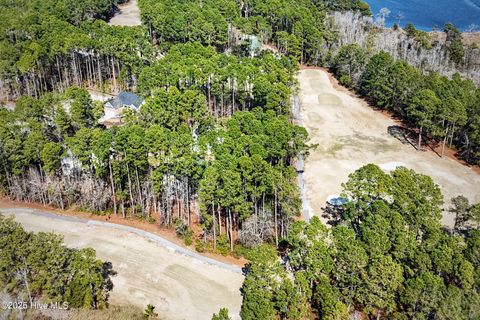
(125, 99)
(114, 108)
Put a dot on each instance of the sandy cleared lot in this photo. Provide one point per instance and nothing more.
(180, 287)
(350, 134)
(129, 15)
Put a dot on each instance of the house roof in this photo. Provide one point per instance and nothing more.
(125, 99)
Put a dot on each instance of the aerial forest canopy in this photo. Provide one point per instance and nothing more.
(37, 266)
(296, 27)
(214, 145)
(229, 83)
(226, 141)
(386, 257)
(214, 138)
(51, 45)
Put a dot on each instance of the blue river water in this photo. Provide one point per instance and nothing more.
(430, 14)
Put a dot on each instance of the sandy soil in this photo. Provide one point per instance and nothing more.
(180, 287)
(99, 96)
(10, 105)
(152, 228)
(351, 134)
(129, 15)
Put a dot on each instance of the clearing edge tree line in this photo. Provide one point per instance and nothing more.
(215, 131)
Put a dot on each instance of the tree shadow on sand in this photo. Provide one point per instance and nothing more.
(107, 272)
(409, 137)
(333, 214)
(402, 134)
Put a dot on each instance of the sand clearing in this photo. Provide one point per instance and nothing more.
(180, 287)
(129, 15)
(350, 134)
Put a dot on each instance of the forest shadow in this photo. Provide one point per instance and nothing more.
(402, 134)
(433, 145)
(408, 137)
(107, 272)
(333, 214)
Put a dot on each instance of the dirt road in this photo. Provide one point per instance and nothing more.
(129, 15)
(350, 134)
(149, 270)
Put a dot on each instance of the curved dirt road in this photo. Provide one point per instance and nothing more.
(177, 281)
(351, 134)
(129, 15)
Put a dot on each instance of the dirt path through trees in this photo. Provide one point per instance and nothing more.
(129, 15)
(179, 286)
(350, 134)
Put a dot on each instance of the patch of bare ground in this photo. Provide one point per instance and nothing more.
(270, 47)
(112, 313)
(179, 286)
(434, 146)
(167, 233)
(350, 134)
(128, 15)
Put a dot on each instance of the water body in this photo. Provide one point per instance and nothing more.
(430, 14)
